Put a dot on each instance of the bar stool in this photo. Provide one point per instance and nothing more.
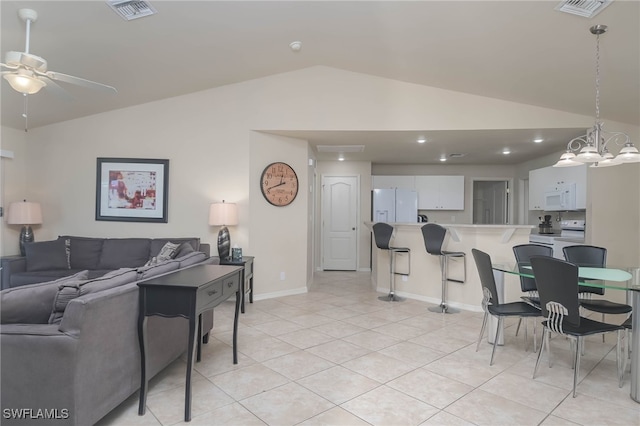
(382, 233)
(433, 235)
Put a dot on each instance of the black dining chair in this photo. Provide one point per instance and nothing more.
(491, 301)
(557, 282)
(627, 352)
(433, 236)
(595, 257)
(382, 234)
(523, 253)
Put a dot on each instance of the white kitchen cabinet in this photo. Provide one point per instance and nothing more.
(547, 178)
(538, 181)
(440, 192)
(393, 182)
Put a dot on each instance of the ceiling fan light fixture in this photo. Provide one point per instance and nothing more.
(24, 83)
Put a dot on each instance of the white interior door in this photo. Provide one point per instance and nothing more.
(340, 222)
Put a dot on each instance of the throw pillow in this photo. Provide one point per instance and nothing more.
(73, 289)
(124, 252)
(31, 304)
(167, 252)
(46, 256)
(84, 252)
(184, 249)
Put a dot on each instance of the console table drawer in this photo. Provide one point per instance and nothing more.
(231, 285)
(208, 295)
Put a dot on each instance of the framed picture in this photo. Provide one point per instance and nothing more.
(132, 190)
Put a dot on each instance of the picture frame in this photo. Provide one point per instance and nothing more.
(132, 189)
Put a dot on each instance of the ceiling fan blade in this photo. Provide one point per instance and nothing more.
(11, 67)
(56, 89)
(80, 82)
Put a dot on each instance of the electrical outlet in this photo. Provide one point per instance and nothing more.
(282, 276)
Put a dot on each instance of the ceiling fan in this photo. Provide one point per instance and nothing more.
(28, 73)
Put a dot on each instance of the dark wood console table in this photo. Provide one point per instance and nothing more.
(187, 294)
(247, 276)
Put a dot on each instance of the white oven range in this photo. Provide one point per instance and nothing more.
(572, 234)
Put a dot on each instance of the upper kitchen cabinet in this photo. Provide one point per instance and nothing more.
(394, 182)
(551, 178)
(440, 192)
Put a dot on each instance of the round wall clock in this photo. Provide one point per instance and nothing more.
(279, 184)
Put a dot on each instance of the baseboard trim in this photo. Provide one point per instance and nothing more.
(273, 295)
(435, 301)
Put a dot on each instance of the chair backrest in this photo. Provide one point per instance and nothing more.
(523, 253)
(485, 271)
(557, 281)
(583, 255)
(382, 233)
(589, 256)
(433, 235)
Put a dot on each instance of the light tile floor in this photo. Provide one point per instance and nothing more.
(339, 356)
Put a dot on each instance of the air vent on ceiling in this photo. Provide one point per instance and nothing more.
(131, 9)
(456, 155)
(340, 148)
(585, 8)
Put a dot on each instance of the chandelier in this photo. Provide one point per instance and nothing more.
(593, 147)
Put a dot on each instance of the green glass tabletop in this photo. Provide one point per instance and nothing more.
(618, 278)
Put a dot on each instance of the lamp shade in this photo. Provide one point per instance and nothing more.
(223, 214)
(24, 213)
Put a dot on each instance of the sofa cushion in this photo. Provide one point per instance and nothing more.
(31, 304)
(158, 243)
(25, 278)
(84, 252)
(149, 271)
(191, 259)
(46, 255)
(124, 253)
(72, 289)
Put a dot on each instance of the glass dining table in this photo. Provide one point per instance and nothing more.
(618, 278)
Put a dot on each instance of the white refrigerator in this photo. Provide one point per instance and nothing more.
(394, 205)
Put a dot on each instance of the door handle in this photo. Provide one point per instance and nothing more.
(353, 229)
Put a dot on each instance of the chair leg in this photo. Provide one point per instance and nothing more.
(484, 324)
(496, 339)
(535, 337)
(603, 333)
(548, 347)
(621, 356)
(576, 371)
(518, 327)
(526, 334)
(544, 334)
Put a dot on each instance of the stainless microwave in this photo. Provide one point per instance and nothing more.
(560, 198)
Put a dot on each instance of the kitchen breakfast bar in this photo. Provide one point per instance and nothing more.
(423, 281)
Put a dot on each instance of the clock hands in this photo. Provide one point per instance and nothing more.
(282, 182)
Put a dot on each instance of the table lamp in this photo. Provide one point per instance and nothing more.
(24, 213)
(223, 214)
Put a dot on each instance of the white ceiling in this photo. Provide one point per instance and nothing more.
(522, 51)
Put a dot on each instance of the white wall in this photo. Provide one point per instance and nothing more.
(13, 187)
(216, 154)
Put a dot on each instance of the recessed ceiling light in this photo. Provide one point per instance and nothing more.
(506, 151)
(421, 140)
(340, 158)
(295, 46)
(538, 140)
(443, 159)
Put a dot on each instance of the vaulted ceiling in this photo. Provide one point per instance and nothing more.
(522, 51)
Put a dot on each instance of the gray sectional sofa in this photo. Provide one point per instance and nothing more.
(69, 347)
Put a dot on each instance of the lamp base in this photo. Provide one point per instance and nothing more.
(26, 236)
(224, 243)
